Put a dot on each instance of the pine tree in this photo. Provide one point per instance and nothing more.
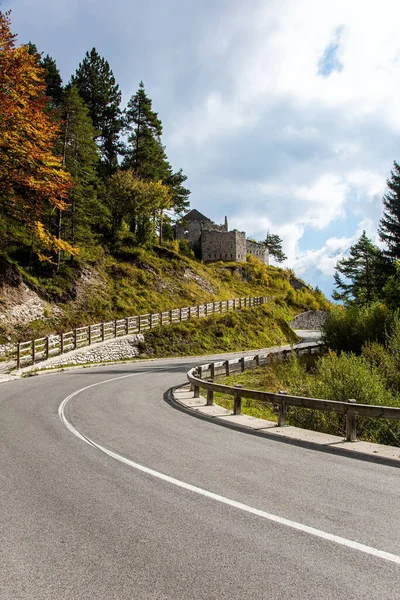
(53, 80)
(80, 156)
(274, 245)
(364, 272)
(96, 85)
(145, 153)
(389, 226)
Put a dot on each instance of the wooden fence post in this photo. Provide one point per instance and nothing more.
(351, 423)
(115, 328)
(170, 317)
(242, 365)
(198, 311)
(237, 401)
(257, 357)
(47, 347)
(138, 323)
(62, 343)
(210, 397)
(151, 320)
(227, 368)
(18, 355)
(160, 319)
(89, 335)
(102, 332)
(33, 352)
(282, 411)
(180, 315)
(212, 370)
(75, 339)
(206, 309)
(127, 325)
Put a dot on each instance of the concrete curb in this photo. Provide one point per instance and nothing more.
(182, 399)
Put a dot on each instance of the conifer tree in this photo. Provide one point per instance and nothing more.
(80, 156)
(53, 80)
(274, 245)
(97, 86)
(389, 226)
(145, 153)
(360, 277)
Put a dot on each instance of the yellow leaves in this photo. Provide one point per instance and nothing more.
(49, 242)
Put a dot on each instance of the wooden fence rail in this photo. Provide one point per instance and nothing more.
(33, 351)
(201, 377)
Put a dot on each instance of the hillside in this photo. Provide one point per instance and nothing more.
(37, 301)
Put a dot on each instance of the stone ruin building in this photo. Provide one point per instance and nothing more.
(211, 242)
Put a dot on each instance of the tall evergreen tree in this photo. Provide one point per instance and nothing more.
(145, 153)
(97, 86)
(53, 80)
(389, 225)
(80, 157)
(360, 277)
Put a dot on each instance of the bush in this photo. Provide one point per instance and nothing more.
(348, 330)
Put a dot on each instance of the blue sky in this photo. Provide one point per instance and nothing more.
(284, 115)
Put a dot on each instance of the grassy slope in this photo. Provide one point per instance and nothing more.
(141, 281)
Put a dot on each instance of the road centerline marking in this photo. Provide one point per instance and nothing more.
(208, 494)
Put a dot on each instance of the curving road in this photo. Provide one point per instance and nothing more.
(111, 493)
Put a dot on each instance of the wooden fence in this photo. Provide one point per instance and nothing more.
(33, 351)
(202, 377)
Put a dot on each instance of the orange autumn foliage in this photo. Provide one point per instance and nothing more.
(31, 177)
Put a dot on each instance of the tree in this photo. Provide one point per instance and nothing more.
(53, 80)
(97, 86)
(31, 177)
(389, 225)
(80, 158)
(138, 203)
(274, 245)
(144, 153)
(364, 273)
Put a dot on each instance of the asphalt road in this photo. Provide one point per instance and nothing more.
(77, 522)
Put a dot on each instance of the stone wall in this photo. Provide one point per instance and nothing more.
(258, 250)
(223, 245)
(116, 349)
(190, 230)
(312, 319)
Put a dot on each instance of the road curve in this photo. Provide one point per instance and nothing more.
(77, 523)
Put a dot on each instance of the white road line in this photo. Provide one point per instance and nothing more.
(202, 492)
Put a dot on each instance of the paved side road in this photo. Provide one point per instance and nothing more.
(132, 508)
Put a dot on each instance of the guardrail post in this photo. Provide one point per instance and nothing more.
(237, 401)
(242, 365)
(282, 410)
(351, 423)
(18, 355)
(227, 368)
(212, 371)
(210, 396)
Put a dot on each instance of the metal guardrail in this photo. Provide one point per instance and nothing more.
(202, 377)
(33, 351)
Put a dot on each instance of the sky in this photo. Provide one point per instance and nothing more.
(283, 114)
